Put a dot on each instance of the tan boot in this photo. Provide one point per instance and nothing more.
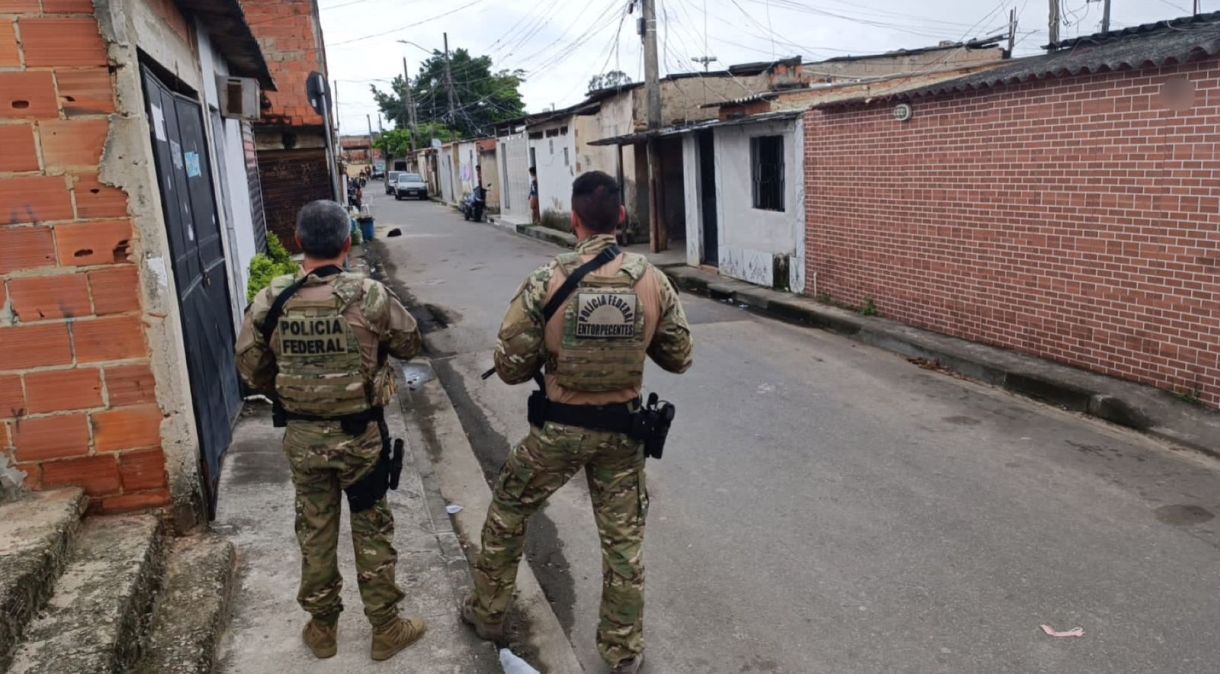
(629, 666)
(321, 638)
(389, 639)
(493, 632)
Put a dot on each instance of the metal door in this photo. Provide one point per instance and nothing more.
(707, 195)
(185, 182)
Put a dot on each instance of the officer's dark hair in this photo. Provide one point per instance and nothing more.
(595, 198)
(323, 227)
(533, 170)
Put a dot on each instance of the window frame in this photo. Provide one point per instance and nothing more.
(767, 191)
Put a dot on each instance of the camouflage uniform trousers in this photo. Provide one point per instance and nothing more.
(324, 460)
(537, 468)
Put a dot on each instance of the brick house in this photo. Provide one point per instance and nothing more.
(295, 164)
(1064, 205)
(107, 311)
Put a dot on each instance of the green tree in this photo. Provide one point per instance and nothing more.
(614, 78)
(397, 142)
(482, 97)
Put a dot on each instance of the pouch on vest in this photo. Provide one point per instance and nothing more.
(319, 361)
(603, 347)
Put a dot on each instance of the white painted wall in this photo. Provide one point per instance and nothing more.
(694, 200)
(444, 166)
(513, 156)
(556, 164)
(749, 238)
(468, 158)
(229, 176)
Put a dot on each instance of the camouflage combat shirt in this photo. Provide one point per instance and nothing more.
(525, 345)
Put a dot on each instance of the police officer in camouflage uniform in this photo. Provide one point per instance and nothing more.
(326, 363)
(592, 351)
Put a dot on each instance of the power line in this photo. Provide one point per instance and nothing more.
(409, 25)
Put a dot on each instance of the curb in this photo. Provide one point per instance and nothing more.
(562, 239)
(1126, 404)
(433, 425)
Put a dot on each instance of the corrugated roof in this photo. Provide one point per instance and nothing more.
(628, 139)
(1153, 44)
(978, 43)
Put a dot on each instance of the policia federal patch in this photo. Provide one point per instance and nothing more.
(312, 336)
(605, 315)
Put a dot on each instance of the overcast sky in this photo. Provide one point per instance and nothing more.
(561, 44)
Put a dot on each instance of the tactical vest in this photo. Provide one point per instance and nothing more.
(320, 369)
(603, 347)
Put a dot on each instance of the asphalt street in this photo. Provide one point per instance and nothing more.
(828, 507)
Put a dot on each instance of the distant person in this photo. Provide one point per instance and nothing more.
(535, 215)
(586, 321)
(319, 342)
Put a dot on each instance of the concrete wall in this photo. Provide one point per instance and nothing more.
(1086, 230)
(681, 98)
(490, 167)
(513, 155)
(446, 173)
(889, 64)
(555, 155)
(750, 238)
(467, 160)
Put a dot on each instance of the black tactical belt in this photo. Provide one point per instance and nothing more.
(617, 418)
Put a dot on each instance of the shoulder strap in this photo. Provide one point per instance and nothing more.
(277, 307)
(603, 258)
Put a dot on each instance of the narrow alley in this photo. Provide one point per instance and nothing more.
(825, 506)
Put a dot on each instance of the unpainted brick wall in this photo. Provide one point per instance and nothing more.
(291, 41)
(77, 396)
(1076, 218)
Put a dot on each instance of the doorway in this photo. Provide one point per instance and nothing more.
(707, 198)
(200, 270)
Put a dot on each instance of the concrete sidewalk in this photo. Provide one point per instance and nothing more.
(256, 512)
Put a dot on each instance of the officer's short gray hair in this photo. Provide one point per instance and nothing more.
(323, 227)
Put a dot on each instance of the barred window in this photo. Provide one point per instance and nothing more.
(767, 162)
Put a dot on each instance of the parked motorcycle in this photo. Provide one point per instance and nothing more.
(475, 204)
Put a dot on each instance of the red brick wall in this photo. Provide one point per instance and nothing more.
(77, 397)
(1077, 219)
(291, 41)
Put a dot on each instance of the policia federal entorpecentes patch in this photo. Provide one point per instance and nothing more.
(304, 336)
(601, 315)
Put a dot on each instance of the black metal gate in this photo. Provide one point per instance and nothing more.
(707, 195)
(185, 182)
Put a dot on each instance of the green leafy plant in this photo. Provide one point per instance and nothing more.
(264, 267)
(870, 308)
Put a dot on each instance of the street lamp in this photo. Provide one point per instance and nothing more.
(417, 46)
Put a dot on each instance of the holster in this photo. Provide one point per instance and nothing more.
(649, 424)
(368, 490)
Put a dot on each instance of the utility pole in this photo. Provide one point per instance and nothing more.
(449, 82)
(1054, 23)
(658, 236)
(369, 119)
(408, 103)
(338, 143)
(1105, 15)
(704, 60)
(1012, 30)
(1197, 2)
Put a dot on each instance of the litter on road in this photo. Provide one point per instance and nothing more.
(511, 664)
(453, 508)
(1052, 632)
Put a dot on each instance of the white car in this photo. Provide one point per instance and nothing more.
(410, 185)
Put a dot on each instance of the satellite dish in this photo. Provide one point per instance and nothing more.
(318, 92)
